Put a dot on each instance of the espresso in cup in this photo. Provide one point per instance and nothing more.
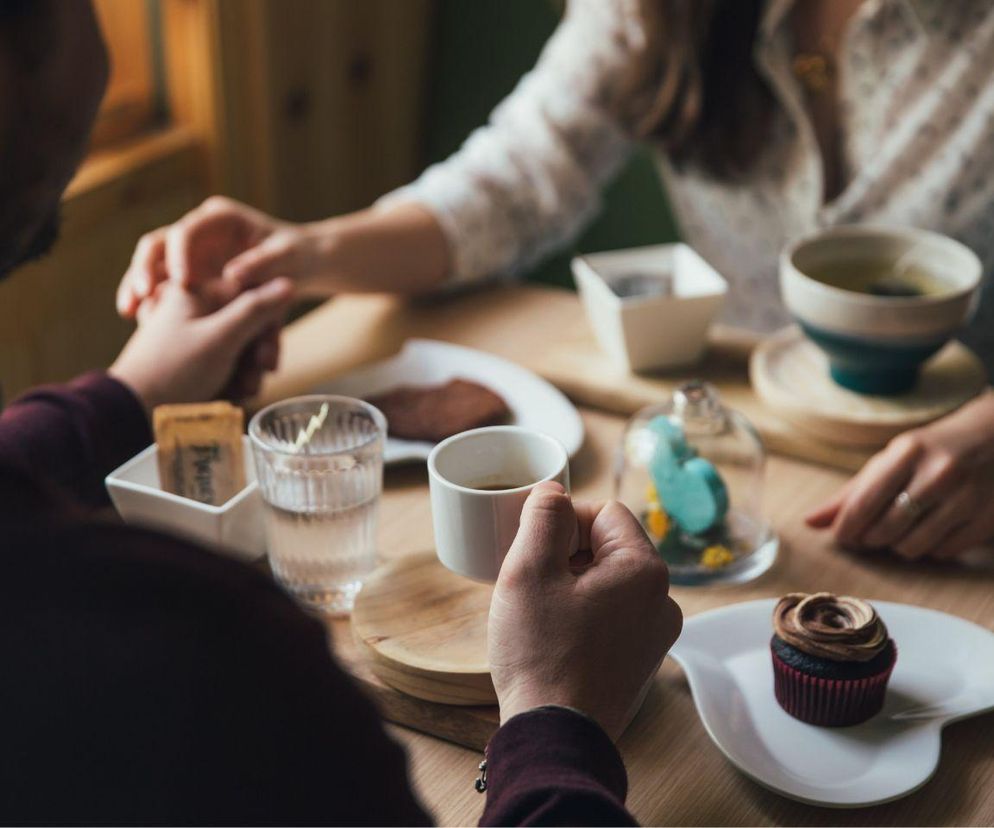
(479, 481)
(489, 485)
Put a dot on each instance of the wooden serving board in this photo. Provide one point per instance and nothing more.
(465, 725)
(790, 374)
(424, 631)
(588, 376)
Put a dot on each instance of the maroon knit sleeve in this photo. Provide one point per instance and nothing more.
(553, 766)
(71, 436)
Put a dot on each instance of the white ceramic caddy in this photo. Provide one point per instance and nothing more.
(534, 403)
(643, 333)
(235, 528)
(944, 672)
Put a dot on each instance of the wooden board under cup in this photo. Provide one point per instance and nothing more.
(790, 375)
(424, 631)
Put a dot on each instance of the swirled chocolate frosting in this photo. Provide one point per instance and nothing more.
(836, 627)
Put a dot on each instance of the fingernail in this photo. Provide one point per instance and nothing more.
(277, 287)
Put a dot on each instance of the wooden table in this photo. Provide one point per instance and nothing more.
(676, 774)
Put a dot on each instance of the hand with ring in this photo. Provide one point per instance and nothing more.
(930, 492)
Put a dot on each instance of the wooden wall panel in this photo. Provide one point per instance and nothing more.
(343, 96)
(57, 315)
(128, 104)
(307, 107)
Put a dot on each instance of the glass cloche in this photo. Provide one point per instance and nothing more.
(692, 471)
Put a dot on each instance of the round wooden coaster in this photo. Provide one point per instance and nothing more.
(790, 374)
(425, 630)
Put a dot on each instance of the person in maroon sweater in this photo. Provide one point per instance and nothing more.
(146, 680)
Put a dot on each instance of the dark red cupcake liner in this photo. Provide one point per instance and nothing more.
(829, 702)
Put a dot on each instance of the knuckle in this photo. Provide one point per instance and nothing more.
(254, 301)
(548, 499)
(619, 515)
(515, 574)
(280, 242)
(947, 466)
(652, 572)
(908, 548)
(907, 444)
(217, 203)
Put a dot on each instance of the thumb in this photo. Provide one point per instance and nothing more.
(252, 312)
(547, 533)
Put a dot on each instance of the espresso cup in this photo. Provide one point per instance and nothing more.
(479, 481)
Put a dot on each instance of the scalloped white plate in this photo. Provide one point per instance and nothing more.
(944, 672)
(534, 403)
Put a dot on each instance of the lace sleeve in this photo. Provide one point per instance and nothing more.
(528, 181)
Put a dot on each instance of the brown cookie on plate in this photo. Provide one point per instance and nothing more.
(434, 412)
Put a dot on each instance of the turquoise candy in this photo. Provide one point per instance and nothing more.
(689, 487)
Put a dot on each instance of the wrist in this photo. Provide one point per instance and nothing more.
(135, 381)
(553, 707)
(325, 249)
(968, 431)
(398, 249)
(527, 700)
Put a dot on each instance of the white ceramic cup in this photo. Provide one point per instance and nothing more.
(475, 526)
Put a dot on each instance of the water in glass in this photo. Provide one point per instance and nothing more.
(321, 494)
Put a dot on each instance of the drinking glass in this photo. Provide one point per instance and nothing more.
(319, 463)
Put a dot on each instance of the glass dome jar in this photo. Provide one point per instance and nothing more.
(692, 472)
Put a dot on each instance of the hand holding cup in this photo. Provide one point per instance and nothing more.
(581, 614)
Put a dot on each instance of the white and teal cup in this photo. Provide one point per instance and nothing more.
(876, 344)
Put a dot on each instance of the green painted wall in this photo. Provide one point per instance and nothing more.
(482, 48)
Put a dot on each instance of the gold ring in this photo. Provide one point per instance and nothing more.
(911, 507)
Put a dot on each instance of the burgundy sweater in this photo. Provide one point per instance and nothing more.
(148, 681)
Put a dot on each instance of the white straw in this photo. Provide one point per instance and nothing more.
(316, 421)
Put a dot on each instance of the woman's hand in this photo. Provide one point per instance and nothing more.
(190, 348)
(927, 494)
(587, 635)
(224, 245)
(220, 241)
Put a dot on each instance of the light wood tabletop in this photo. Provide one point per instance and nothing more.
(677, 776)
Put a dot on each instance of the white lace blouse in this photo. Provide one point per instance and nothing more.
(916, 80)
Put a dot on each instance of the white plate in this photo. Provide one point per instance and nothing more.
(534, 403)
(944, 672)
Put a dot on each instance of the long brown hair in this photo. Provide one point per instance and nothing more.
(694, 88)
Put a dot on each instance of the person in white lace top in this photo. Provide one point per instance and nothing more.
(769, 119)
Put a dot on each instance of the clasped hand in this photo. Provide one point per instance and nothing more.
(209, 317)
(585, 629)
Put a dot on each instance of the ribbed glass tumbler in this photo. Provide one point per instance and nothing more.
(319, 463)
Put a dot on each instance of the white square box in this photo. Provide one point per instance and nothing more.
(650, 332)
(235, 528)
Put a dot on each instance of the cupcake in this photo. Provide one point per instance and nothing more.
(832, 658)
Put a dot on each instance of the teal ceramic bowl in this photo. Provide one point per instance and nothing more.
(877, 344)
